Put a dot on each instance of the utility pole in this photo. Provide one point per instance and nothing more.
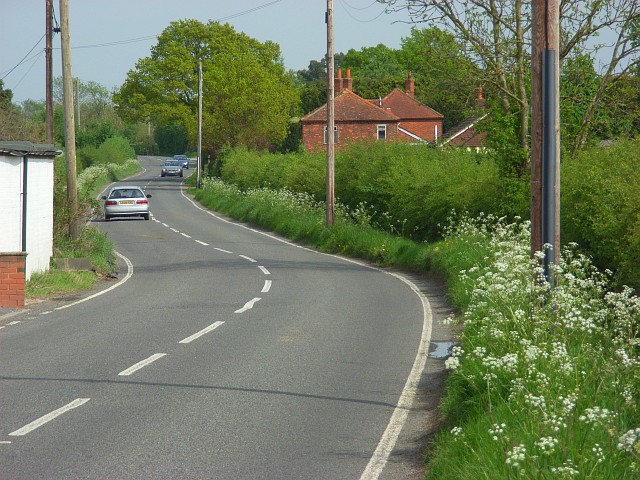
(545, 132)
(330, 201)
(199, 123)
(49, 72)
(69, 121)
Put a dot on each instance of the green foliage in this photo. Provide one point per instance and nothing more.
(405, 189)
(248, 96)
(171, 139)
(600, 206)
(446, 79)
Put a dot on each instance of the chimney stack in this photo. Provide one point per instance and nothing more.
(479, 99)
(337, 84)
(348, 82)
(409, 85)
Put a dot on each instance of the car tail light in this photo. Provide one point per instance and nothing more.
(110, 202)
(142, 202)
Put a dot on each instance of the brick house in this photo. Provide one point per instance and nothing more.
(466, 134)
(396, 117)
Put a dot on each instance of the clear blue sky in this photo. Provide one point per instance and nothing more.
(296, 25)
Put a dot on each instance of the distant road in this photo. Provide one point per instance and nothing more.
(226, 354)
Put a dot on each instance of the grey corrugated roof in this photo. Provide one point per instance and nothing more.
(17, 148)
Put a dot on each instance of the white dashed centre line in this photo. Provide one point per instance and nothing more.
(185, 235)
(221, 250)
(141, 364)
(202, 243)
(174, 230)
(248, 305)
(204, 331)
(165, 224)
(264, 270)
(247, 258)
(267, 286)
(48, 417)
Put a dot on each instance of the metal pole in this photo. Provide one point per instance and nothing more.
(549, 160)
(330, 201)
(199, 124)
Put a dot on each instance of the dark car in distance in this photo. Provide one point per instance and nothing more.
(171, 168)
(183, 159)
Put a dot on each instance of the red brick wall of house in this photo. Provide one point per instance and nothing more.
(12, 279)
(313, 134)
(424, 129)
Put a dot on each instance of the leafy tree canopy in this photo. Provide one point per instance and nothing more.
(247, 95)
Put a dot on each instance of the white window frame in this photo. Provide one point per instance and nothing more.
(335, 134)
(382, 128)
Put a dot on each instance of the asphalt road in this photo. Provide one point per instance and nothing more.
(220, 352)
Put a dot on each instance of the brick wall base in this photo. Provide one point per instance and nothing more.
(12, 279)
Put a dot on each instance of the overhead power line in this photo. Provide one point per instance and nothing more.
(24, 59)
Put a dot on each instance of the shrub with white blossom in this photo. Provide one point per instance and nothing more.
(550, 373)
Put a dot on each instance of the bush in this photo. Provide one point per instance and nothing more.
(600, 207)
(114, 150)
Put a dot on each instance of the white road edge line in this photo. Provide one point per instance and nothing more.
(204, 331)
(248, 258)
(142, 364)
(126, 277)
(401, 412)
(267, 286)
(264, 270)
(48, 417)
(249, 305)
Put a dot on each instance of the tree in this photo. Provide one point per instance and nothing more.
(497, 36)
(446, 79)
(248, 96)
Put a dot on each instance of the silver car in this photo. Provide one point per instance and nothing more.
(171, 167)
(126, 201)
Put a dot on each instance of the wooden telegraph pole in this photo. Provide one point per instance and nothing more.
(69, 121)
(545, 132)
(49, 73)
(330, 201)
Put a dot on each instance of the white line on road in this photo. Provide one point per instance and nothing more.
(398, 419)
(126, 277)
(221, 250)
(174, 230)
(204, 331)
(267, 286)
(48, 417)
(264, 270)
(202, 243)
(141, 364)
(15, 322)
(247, 258)
(4, 442)
(165, 224)
(185, 235)
(248, 305)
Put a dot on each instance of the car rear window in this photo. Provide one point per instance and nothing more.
(126, 193)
